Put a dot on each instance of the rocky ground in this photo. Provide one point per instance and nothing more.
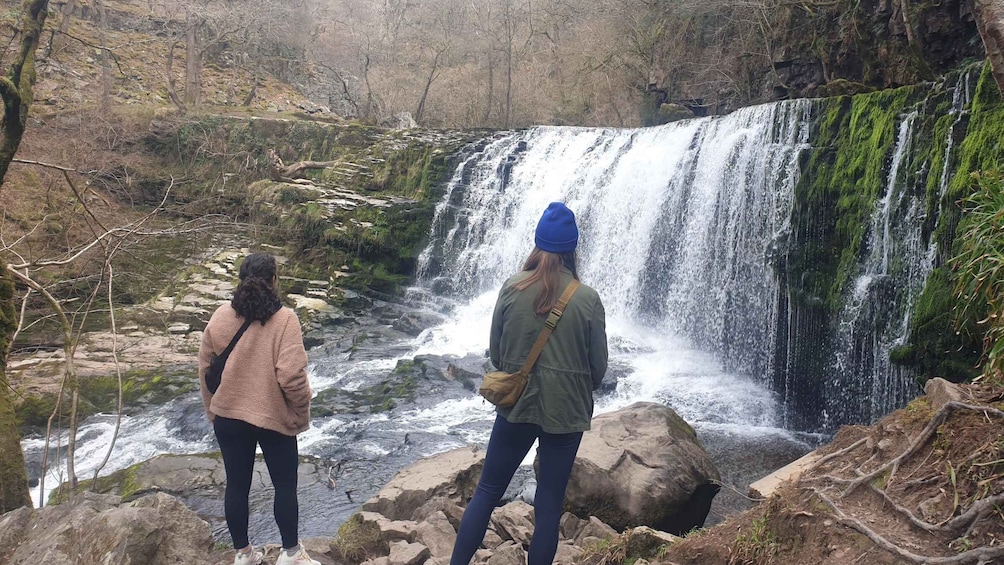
(924, 485)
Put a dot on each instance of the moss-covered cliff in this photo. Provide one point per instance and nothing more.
(845, 177)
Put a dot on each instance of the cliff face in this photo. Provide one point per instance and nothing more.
(876, 43)
(814, 49)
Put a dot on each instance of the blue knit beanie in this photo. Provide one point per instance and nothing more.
(556, 231)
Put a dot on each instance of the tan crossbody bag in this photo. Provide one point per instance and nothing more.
(504, 389)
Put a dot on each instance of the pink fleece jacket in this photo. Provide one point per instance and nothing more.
(265, 379)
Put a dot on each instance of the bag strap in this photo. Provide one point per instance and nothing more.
(226, 352)
(549, 324)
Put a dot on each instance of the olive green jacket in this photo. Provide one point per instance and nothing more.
(559, 394)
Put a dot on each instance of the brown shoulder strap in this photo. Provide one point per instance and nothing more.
(552, 320)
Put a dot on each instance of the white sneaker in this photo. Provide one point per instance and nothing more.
(252, 557)
(295, 556)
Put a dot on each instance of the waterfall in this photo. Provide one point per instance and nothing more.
(685, 234)
(875, 315)
(677, 227)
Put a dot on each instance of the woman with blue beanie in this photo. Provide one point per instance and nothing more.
(557, 404)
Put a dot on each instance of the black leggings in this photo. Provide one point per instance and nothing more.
(238, 440)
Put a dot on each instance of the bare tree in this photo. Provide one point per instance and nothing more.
(16, 89)
(106, 69)
(990, 22)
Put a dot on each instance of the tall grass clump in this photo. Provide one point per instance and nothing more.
(979, 267)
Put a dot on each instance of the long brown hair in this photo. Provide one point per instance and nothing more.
(546, 267)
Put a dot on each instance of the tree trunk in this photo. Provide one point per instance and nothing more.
(294, 173)
(990, 23)
(490, 97)
(59, 38)
(193, 66)
(428, 84)
(106, 68)
(172, 91)
(13, 478)
(17, 91)
(368, 109)
(254, 90)
(17, 87)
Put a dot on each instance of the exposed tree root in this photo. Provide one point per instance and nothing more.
(984, 554)
(906, 512)
(975, 511)
(839, 453)
(932, 427)
(962, 525)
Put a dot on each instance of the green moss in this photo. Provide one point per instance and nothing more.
(942, 343)
(935, 348)
(834, 199)
(100, 394)
(124, 483)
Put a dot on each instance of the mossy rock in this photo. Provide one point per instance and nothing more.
(673, 113)
(140, 388)
(402, 385)
(843, 87)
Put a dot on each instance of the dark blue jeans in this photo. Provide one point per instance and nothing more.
(507, 447)
(238, 440)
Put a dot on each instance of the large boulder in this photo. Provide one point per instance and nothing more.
(453, 474)
(642, 466)
(93, 529)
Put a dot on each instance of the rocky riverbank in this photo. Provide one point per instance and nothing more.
(652, 453)
(943, 443)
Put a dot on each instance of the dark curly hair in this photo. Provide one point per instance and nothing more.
(256, 297)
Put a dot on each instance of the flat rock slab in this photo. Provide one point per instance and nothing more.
(453, 474)
(790, 472)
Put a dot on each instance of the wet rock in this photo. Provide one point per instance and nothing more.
(414, 323)
(200, 480)
(453, 474)
(673, 113)
(642, 465)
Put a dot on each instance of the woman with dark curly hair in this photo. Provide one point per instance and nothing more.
(263, 399)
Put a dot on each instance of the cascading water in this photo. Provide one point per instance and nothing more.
(675, 225)
(875, 316)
